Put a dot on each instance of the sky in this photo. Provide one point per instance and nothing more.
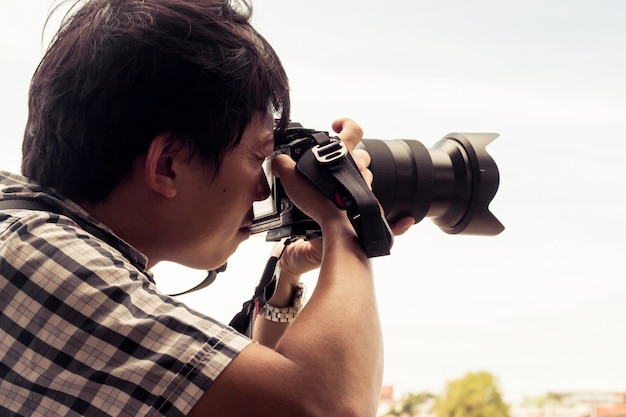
(542, 305)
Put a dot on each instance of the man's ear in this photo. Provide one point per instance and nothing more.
(159, 168)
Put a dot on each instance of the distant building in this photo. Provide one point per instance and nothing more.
(388, 400)
(552, 404)
(617, 410)
(573, 404)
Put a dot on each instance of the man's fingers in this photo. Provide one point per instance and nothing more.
(402, 225)
(362, 158)
(349, 132)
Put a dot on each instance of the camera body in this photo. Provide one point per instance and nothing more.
(452, 183)
(277, 215)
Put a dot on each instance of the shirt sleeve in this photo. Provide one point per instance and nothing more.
(85, 332)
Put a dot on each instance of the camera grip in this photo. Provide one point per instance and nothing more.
(331, 169)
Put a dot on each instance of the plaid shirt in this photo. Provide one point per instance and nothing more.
(84, 331)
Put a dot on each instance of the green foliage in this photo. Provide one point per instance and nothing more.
(474, 395)
(410, 403)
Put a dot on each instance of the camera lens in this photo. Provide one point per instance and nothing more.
(452, 183)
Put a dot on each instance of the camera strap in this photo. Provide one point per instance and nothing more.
(331, 169)
(243, 321)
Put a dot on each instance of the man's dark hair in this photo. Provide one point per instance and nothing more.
(120, 72)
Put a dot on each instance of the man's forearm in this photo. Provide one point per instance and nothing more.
(338, 331)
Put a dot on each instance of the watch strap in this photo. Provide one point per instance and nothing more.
(285, 314)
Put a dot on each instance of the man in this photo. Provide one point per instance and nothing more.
(149, 122)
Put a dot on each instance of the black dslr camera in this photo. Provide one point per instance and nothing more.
(452, 183)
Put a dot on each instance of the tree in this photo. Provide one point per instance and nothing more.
(474, 395)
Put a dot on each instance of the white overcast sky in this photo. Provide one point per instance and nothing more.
(541, 306)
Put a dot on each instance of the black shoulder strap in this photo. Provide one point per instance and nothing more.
(23, 203)
(30, 204)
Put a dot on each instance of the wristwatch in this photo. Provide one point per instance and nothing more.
(285, 314)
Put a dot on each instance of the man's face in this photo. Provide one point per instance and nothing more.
(218, 209)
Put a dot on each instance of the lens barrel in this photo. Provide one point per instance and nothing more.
(452, 183)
